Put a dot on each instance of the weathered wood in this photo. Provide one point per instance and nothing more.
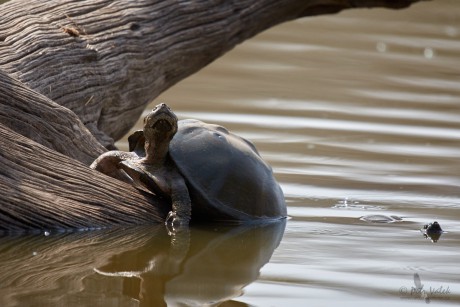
(106, 59)
(42, 189)
(44, 121)
(78, 74)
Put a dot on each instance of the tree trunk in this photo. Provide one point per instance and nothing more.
(78, 74)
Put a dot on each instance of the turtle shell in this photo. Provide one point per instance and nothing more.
(226, 177)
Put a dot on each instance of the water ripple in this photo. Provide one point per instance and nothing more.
(286, 122)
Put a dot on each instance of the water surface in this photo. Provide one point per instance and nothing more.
(359, 114)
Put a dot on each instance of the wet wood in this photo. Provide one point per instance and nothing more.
(76, 75)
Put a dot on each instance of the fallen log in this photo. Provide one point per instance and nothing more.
(106, 59)
(42, 189)
(42, 120)
(76, 75)
(44, 186)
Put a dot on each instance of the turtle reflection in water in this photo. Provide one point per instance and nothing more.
(219, 263)
(204, 170)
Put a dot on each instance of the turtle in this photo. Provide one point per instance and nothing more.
(203, 169)
(432, 231)
(432, 228)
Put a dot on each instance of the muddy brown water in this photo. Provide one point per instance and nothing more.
(359, 115)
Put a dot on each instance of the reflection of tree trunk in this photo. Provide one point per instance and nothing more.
(74, 74)
(41, 271)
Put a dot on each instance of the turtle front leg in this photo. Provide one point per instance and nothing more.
(181, 205)
(108, 163)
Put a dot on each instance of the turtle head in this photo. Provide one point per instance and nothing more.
(160, 124)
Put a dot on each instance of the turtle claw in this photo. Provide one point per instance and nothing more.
(170, 221)
(173, 223)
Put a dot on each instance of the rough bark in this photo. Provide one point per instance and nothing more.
(105, 60)
(42, 189)
(78, 74)
(40, 119)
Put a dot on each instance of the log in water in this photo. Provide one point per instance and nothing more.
(103, 61)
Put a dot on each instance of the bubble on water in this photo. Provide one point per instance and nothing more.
(428, 53)
(346, 203)
(379, 218)
(381, 47)
(46, 233)
(341, 204)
